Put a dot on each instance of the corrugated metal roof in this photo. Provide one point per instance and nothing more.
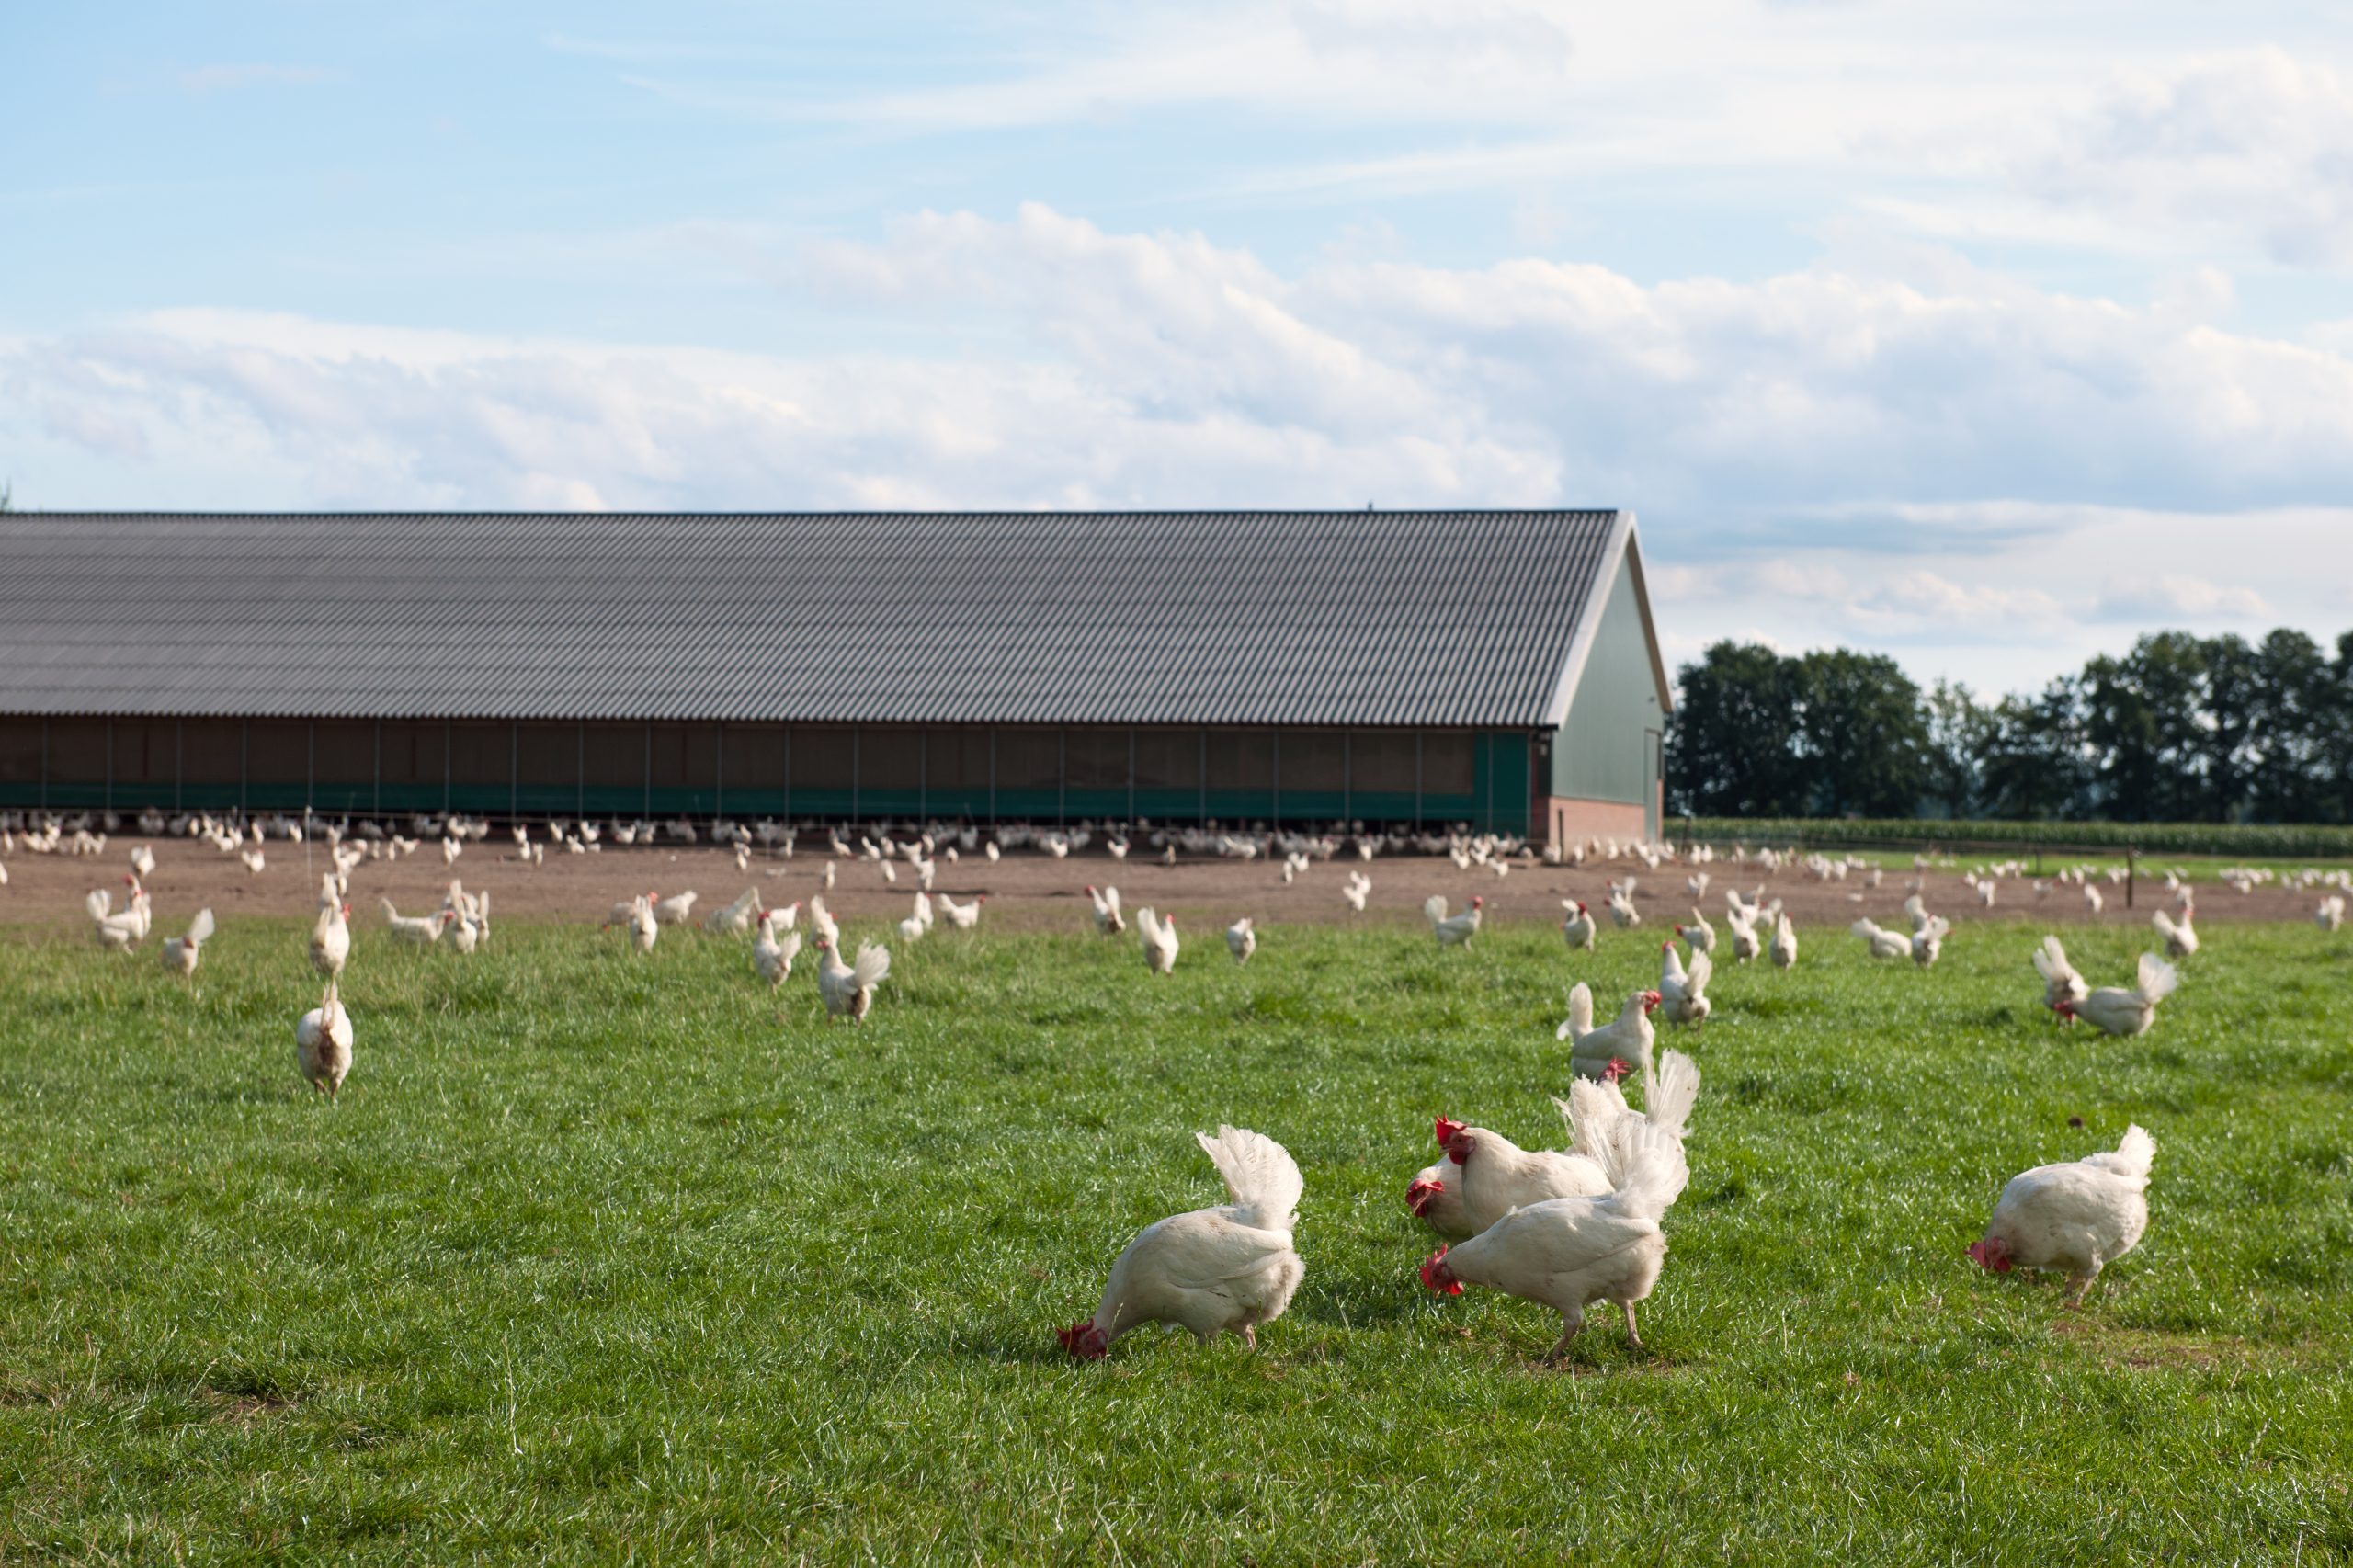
(1146, 618)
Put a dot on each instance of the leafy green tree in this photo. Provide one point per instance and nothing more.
(1959, 733)
(2034, 766)
(1733, 744)
(1863, 734)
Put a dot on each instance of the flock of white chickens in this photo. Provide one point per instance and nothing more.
(1564, 1228)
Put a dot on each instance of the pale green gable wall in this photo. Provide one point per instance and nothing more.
(1602, 753)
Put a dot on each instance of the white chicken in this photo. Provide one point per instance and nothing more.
(1683, 992)
(1621, 1045)
(676, 910)
(962, 916)
(423, 930)
(821, 922)
(2115, 1010)
(1241, 940)
(2181, 934)
(2092, 900)
(1884, 944)
(1489, 1175)
(848, 989)
(1596, 1114)
(645, 926)
(182, 952)
(772, 956)
(915, 926)
(255, 861)
(331, 939)
(1578, 928)
(1744, 936)
(1159, 940)
(2076, 1217)
(1213, 1271)
(123, 929)
(2330, 915)
(323, 1044)
(1567, 1252)
(1785, 942)
(1108, 919)
(1700, 934)
(736, 918)
(1622, 913)
(142, 861)
(1356, 890)
(1452, 931)
(2062, 988)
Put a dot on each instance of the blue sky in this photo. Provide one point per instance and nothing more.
(1987, 337)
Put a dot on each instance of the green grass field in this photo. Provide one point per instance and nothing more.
(604, 1258)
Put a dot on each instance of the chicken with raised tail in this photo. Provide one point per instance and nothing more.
(2075, 1218)
(848, 989)
(1700, 934)
(1108, 918)
(1744, 936)
(772, 955)
(1453, 930)
(1213, 1271)
(645, 927)
(1596, 1114)
(1356, 890)
(323, 1044)
(1785, 942)
(331, 936)
(182, 952)
(1487, 1176)
(1683, 992)
(1884, 943)
(1568, 1252)
(1619, 1047)
(2115, 1010)
(423, 930)
(1622, 913)
(1159, 939)
(2062, 988)
(962, 916)
(1242, 940)
(2180, 935)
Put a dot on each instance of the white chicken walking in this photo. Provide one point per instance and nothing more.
(1159, 939)
(1578, 928)
(1622, 913)
(2062, 988)
(331, 936)
(1567, 1252)
(182, 952)
(1453, 930)
(848, 989)
(1241, 940)
(2115, 1010)
(323, 1044)
(1489, 1175)
(2180, 935)
(962, 916)
(1108, 919)
(1213, 1271)
(1700, 934)
(2078, 1216)
(1618, 1047)
(1785, 942)
(772, 956)
(1683, 992)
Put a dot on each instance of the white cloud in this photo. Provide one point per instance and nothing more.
(1967, 464)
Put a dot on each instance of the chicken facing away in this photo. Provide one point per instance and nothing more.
(1453, 930)
(2062, 988)
(1159, 939)
(323, 1044)
(1598, 1116)
(1683, 992)
(1490, 1175)
(772, 956)
(1567, 1252)
(1619, 1047)
(2076, 1217)
(1622, 913)
(1744, 937)
(1785, 942)
(2117, 1011)
(1578, 928)
(1241, 940)
(848, 989)
(1213, 1271)
(331, 939)
(2330, 915)
(1108, 918)
(182, 952)
(2181, 935)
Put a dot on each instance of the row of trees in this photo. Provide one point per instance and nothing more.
(2181, 729)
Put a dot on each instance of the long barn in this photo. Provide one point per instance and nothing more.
(1498, 668)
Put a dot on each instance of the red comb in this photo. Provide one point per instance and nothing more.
(1430, 1275)
(1447, 1130)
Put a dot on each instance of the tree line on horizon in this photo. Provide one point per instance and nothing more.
(2182, 728)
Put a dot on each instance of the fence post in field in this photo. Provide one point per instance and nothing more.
(2132, 872)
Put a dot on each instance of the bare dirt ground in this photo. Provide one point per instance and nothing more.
(1029, 890)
